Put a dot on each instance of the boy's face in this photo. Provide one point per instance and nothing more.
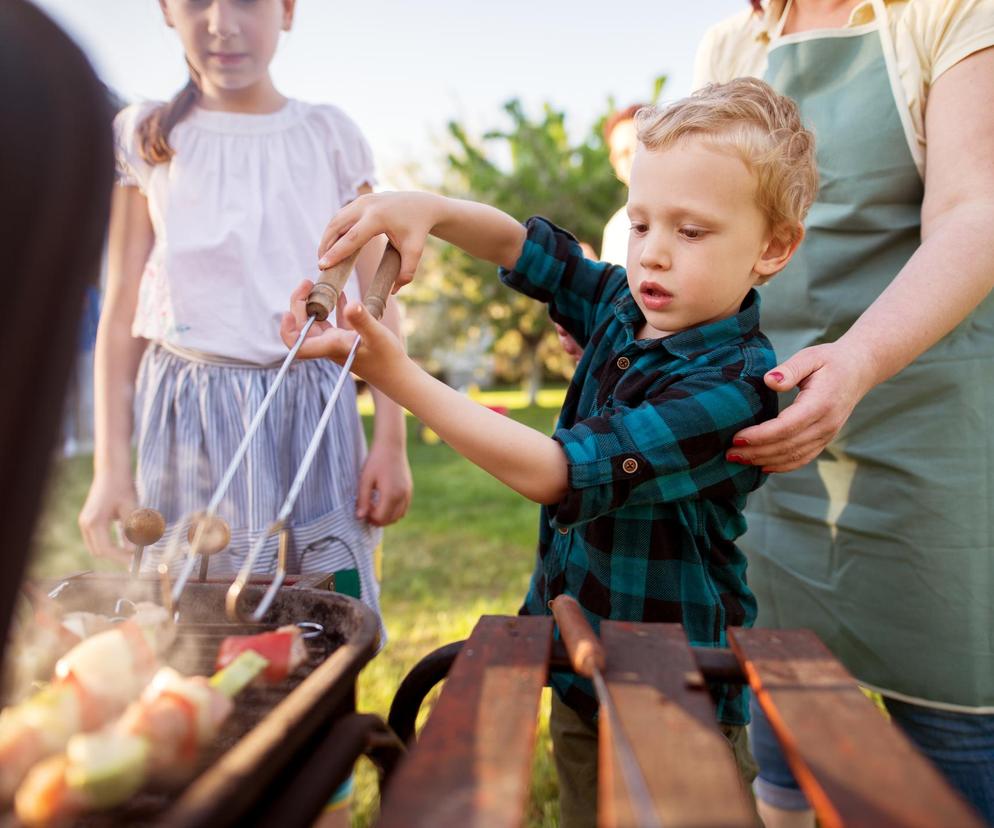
(697, 236)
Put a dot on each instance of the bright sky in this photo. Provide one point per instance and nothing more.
(403, 68)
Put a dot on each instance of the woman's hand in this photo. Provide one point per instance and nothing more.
(110, 500)
(406, 218)
(385, 485)
(832, 378)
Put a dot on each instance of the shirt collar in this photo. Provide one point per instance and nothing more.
(764, 24)
(693, 341)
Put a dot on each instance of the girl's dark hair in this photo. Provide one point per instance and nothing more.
(57, 169)
(153, 132)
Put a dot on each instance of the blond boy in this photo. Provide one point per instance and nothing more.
(641, 503)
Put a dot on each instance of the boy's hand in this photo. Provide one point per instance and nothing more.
(406, 218)
(379, 355)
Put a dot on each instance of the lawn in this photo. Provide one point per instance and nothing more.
(465, 549)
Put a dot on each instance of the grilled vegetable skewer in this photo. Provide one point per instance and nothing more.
(93, 683)
(159, 737)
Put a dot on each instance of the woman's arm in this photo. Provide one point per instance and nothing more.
(116, 358)
(947, 277)
(386, 471)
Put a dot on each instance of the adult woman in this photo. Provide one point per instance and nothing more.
(883, 544)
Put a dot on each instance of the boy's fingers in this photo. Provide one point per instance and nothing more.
(410, 256)
(346, 244)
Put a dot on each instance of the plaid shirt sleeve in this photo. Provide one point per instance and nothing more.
(671, 447)
(553, 269)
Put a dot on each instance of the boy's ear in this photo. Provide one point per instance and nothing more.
(778, 252)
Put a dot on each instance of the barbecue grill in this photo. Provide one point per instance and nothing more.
(286, 747)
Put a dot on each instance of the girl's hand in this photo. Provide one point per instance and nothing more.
(110, 500)
(379, 356)
(406, 218)
(385, 485)
(832, 379)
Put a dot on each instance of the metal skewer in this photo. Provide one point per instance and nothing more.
(321, 302)
(375, 302)
(587, 655)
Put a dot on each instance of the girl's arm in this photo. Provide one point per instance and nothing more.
(407, 219)
(116, 357)
(947, 277)
(386, 471)
(520, 457)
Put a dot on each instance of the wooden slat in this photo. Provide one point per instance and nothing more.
(472, 764)
(667, 714)
(856, 768)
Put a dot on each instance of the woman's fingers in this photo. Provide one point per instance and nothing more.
(831, 384)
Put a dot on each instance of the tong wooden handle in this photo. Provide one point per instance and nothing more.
(144, 527)
(386, 275)
(324, 295)
(582, 645)
(214, 533)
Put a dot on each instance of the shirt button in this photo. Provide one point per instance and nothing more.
(630, 465)
(563, 530)
(623, 363)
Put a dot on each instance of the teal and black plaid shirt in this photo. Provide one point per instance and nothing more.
(647, 529)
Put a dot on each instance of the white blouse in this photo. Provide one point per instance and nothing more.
(238, 213)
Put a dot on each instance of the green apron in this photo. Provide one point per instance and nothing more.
(883, 545)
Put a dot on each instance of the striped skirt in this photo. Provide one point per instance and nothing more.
(192, 411)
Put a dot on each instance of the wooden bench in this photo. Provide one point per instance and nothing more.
(471, 765)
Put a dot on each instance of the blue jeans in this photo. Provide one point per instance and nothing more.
(960, 745)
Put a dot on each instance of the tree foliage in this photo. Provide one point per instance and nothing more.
(530, 168)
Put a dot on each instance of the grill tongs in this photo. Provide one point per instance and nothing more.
(321, 301)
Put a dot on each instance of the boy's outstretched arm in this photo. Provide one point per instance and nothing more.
(522, 458)
(408, 219)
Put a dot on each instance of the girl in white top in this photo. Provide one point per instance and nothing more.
(223, 199)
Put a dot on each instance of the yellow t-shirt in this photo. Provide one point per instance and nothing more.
(929, 37)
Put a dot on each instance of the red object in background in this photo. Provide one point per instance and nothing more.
(500, 409)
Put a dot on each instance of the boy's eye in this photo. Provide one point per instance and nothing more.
(639, 229)
(692, 232)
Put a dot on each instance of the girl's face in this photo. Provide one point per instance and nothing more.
(229, 43)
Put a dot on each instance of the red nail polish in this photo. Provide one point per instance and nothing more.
(777, 376)
(740, 441)
(735, 458)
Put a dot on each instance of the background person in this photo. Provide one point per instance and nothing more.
(56, 165)
(881, 538)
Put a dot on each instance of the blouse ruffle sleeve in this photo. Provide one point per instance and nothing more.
(351, 154)
(132, 170)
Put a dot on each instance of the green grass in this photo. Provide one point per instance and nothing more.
(465, 549)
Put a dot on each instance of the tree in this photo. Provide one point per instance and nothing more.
(531, 168)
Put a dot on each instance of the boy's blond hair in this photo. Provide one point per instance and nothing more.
(749, 118)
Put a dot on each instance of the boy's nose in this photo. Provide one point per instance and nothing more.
(655, 255)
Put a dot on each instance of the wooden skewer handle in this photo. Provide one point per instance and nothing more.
(386, 275)
(215, 533)
(144, 527)
(324, 295)
(582, 645)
